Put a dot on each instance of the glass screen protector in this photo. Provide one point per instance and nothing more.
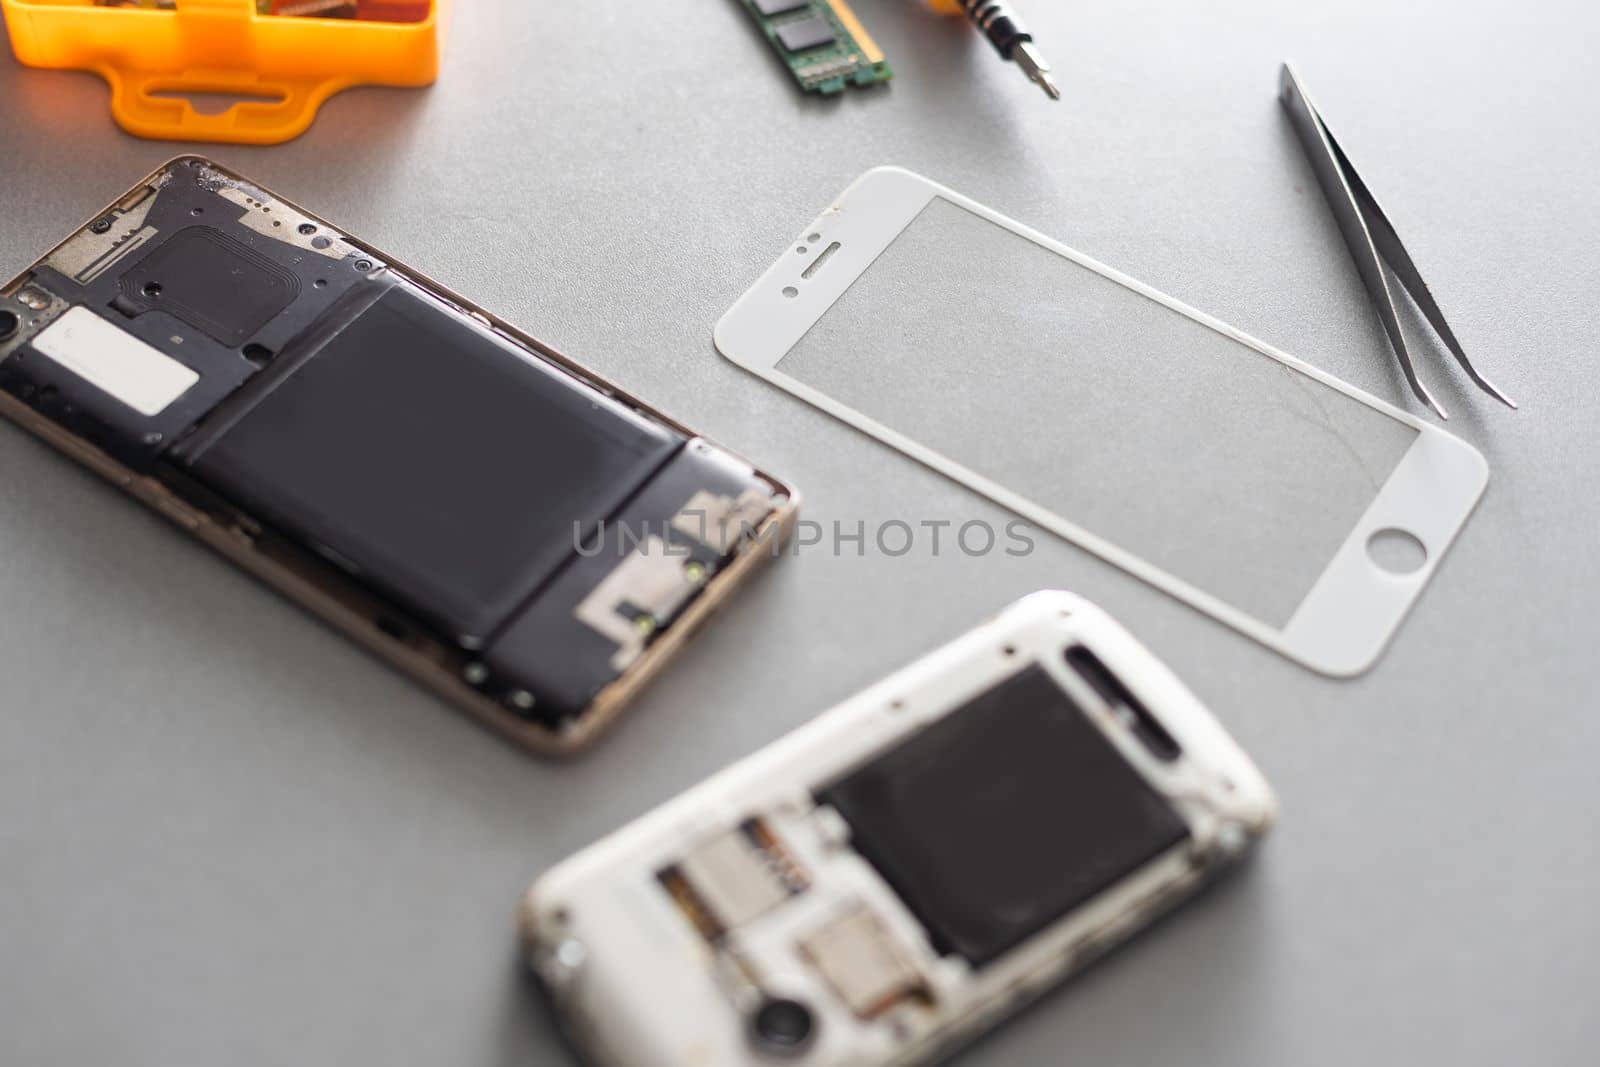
(1212, 461)
(1234, 475)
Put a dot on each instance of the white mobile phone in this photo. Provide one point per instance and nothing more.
(908, 869)
(1231, 475)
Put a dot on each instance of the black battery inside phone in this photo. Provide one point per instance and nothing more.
(1004, 816)
(497, 504)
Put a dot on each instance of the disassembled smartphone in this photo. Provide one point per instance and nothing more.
(910, 868)
(483, 512)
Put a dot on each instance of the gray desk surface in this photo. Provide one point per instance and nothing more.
(229, 837)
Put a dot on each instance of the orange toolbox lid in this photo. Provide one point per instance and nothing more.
(286, 65)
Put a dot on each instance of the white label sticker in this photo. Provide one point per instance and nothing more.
(141, 377)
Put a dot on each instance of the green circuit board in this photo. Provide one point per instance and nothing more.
(822, 42)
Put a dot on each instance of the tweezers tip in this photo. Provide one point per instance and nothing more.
(1495, 392)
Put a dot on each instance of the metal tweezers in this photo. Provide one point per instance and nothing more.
(1370, 234)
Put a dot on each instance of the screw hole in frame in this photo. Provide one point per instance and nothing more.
(790, 291)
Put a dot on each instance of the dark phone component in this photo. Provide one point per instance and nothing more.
(205, 273)
(431, 459)
(524, 517)
(1128, 708)
(1003, 816)
(213, 282)
(633, 576)
(367, 439)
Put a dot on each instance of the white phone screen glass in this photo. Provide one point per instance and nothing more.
(1216, 463)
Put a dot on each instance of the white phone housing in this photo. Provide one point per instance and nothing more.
(638, 985)
(1348, 617)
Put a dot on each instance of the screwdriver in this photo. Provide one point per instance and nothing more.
(1008, 35)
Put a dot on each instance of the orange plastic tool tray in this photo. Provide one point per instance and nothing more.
(287, 66)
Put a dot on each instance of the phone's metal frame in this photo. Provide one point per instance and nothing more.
(349, 610)
(637, 985)
(1349, 615)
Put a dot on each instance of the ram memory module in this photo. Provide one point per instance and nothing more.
(823, 43)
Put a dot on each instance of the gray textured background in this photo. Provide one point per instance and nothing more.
(228, 837)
